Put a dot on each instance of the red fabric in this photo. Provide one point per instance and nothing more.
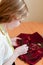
(35, 44)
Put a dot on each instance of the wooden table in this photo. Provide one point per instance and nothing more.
(27, 27)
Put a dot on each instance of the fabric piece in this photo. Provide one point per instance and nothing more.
(35, 44)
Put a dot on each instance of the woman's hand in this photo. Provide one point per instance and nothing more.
(14, 41)
(22, 49)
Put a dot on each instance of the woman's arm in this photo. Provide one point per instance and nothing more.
(17, 52)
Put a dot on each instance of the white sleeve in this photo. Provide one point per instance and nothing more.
(8, 49)
(1, 61)
(2, 52)
(5, 48)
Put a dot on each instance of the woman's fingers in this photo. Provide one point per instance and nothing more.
(25, 47)
(14, 40)
(22, 49)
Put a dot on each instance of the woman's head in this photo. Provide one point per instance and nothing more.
(12, 9)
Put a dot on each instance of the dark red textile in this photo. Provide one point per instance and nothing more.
(35, 44)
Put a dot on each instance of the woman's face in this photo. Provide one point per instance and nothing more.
(12, 23)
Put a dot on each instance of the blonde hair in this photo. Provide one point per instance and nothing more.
(8, 7)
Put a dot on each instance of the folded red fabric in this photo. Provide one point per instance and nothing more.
(35, 44)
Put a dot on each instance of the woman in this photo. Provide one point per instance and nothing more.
(10, 12)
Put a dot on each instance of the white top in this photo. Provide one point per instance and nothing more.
(5, 49)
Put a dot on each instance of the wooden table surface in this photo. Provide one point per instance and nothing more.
(27, 27)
